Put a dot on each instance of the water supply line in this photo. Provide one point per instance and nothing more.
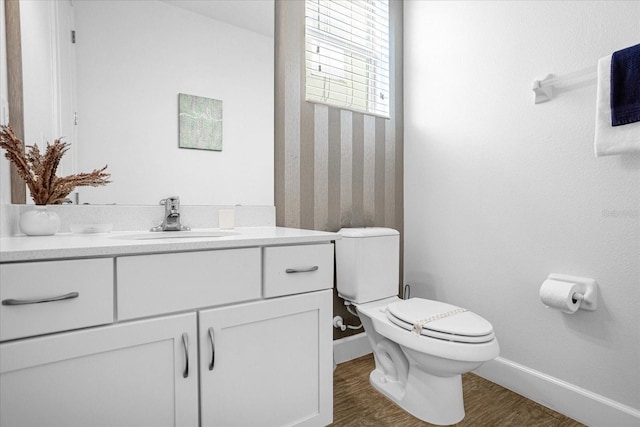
(348, 305)
(338, 323)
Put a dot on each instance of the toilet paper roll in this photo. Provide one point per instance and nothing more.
(559, 295)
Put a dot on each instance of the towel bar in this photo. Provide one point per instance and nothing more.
(543, 88)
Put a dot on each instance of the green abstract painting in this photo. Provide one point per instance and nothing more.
(200, 122)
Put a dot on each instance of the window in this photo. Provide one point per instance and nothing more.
(347, 54)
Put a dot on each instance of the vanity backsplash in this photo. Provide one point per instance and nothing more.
(137, 218)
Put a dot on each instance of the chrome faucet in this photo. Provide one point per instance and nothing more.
(171, 221)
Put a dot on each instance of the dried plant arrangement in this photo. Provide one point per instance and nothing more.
(39, 170)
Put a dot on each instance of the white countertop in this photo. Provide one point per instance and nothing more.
(70, 245)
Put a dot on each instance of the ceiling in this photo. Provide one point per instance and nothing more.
(234, 12)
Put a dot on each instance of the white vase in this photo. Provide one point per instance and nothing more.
(39, 221)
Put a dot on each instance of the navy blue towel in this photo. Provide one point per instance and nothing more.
(625, 86)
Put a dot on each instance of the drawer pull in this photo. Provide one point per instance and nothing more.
(301, 270)
(185, 344)
(71, 295)
(213, 349)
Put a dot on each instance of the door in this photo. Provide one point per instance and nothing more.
(134, 374)
(267, 363)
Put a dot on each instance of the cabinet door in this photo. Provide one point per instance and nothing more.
(121, 375)
(272, 363)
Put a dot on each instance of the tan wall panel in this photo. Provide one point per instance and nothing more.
(334, 168)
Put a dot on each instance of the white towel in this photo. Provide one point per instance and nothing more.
(611, 140)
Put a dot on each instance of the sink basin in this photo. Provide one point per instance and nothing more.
(163, 235)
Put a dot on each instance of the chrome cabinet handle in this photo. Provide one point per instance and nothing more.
(213, 349)
(40, 300)
(301, 270)
(185, 344)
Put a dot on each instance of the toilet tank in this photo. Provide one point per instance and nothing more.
(367, 263)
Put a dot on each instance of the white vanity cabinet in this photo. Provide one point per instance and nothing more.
(224, 337)
(263, 363)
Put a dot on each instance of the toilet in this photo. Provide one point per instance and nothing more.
(421, 347)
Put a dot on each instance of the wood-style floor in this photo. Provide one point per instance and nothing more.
(357, 404)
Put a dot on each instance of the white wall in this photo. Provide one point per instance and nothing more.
(132, 60)
(500, 192)
(38, 58)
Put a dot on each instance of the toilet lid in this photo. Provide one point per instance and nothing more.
(440, 320)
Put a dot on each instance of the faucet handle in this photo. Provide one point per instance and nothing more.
(170, 199)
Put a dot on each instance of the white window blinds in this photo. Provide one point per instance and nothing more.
(347, 54)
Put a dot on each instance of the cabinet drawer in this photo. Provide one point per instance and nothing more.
(297, 269)
(163, 283)
(86, 285)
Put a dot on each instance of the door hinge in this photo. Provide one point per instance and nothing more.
(73, 36)
(75, 118)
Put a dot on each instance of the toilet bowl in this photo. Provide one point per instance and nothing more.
(421, 347)
(422, 374)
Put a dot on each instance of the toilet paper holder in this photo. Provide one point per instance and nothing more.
(587, 293)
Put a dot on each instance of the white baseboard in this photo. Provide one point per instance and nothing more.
(352, 347)
(582, 405)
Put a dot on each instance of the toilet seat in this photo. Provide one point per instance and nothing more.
(440, 321)
(375, 315)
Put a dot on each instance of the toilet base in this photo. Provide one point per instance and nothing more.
(436, 400)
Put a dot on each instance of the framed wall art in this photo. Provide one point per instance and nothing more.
(200, 122)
